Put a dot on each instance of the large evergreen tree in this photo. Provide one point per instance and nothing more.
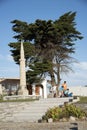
(49, 41)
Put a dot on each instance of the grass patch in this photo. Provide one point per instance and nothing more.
(19, 100)
(83, 100)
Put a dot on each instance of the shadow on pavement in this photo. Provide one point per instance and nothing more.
(74, 127)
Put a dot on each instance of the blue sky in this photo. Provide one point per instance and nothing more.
(29, 11)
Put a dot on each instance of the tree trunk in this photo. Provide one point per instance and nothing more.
(52, 79)
(58, 79)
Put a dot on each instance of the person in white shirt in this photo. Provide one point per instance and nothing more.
(54, 90)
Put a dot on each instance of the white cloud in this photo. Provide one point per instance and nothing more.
(82, 65)
(79, 77)
(9, 58)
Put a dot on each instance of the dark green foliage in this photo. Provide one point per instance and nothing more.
(29, 50)
(37, 71)
(52, 41)
(21, 28)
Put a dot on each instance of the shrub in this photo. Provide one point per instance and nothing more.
(53, 113)
(66, 111)
(72, 110)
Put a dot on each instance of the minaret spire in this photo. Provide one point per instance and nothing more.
(22, 90)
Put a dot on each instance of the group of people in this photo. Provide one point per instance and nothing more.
(64, 91)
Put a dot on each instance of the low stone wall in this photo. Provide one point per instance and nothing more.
(78, 91)
(18, 97)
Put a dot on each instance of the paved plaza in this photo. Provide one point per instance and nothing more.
(13, 115)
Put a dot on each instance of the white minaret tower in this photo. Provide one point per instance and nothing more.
(22, 90)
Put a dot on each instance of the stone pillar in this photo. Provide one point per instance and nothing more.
(23, 90)
(44, 82)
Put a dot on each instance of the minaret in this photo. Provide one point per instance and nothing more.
(22, 90)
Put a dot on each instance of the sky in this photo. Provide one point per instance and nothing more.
(30, 10)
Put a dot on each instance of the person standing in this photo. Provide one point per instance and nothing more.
(61, 91)
(54, 90)
(64, 85)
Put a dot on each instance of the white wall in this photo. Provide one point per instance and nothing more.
(44, 82)
(0, 89)
(79, 91)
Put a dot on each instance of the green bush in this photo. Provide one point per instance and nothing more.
(66, 111)
(72, 110)
(53, 113)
